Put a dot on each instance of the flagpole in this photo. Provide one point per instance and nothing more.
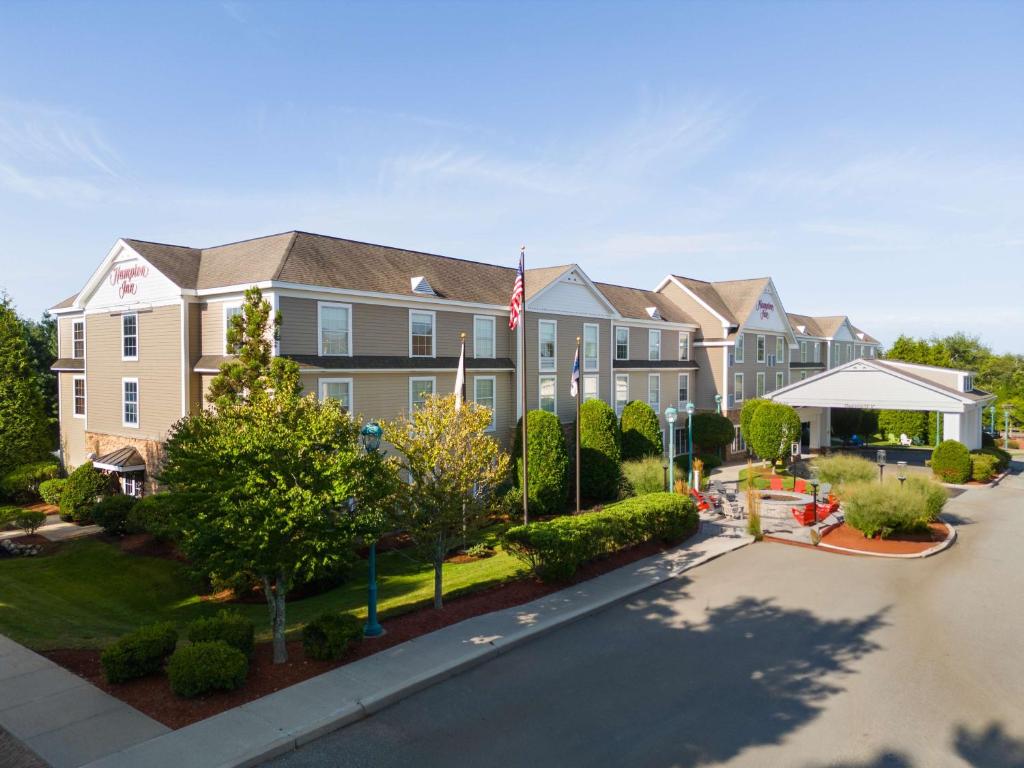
(578, 388)
(522, 375)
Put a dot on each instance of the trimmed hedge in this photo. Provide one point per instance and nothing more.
(140, 653)
(203, 667)
(549, 463)
(951, 462)
(21, 484)
(641, 432)
(85, 486)
(51, 490)
(750, 407)
(555, 549)
(111, 513)
(8, 514)
(329, 635)
(228, 627)
(1002, 457)
(983, 467)
(711, 431)
(600, 454)
(913, 424)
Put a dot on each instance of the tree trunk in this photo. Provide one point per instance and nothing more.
(275, 594)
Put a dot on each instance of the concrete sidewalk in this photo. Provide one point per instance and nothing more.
(280, 722)
(65, 720)
(56, 529)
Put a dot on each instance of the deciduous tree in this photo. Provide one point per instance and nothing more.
(24, 430)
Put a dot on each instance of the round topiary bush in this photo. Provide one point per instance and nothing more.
(750, 407)
(111, 514)
(773, 428)
(600, 453)
(951, 462)
(139, 653)
(711, 431)
(203, 667)
(51, 490)
(641, 433)
(85, 486)
(328, 636)
(229, 627)
(549, 463)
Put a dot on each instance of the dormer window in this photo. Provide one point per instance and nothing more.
(421, 286)
(968, 383)
(653, 313)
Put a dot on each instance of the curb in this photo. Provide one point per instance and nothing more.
(940, 547)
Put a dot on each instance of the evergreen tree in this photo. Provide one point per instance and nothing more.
(24, 428)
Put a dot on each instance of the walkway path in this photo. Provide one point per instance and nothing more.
(62, 718)
(56, 529)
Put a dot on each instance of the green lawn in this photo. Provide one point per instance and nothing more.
(88, 593)
(762, 477)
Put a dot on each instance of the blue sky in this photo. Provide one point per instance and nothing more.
(867, 156)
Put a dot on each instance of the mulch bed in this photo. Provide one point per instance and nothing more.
(900, 544)
(153, 696)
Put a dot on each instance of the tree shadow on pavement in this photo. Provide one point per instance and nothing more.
(990, 747)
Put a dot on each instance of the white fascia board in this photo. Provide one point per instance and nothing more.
(313, 291)
(724, 343)
(614, 313)
(664, 325)
(94, 280)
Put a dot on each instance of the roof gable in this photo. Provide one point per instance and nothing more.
(126, 278)
(570, 292)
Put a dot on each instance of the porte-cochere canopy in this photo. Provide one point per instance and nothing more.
(890, 385)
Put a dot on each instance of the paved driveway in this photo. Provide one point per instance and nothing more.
(770, 656)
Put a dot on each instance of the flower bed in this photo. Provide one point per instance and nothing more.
(846, 537)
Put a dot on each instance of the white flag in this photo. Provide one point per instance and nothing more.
(460, 379)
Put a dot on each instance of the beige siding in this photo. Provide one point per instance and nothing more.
(72, 430)
(158, 370)
(211, 327)
(64, 336)
(709, 383)
(568, 328)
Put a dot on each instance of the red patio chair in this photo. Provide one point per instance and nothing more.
(824, 510)
(775, 483)
(805, 514)
(800, 485)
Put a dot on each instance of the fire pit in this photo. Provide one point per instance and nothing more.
(776, 505)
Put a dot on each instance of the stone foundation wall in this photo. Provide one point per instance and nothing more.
(151, 451)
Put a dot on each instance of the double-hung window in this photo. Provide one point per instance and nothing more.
(738, 352)
(335, 329)
(484, 394)
(761, 355)
(849, 352)
(654, 345)
(130, 337)
(548, 394)
(684, 390)
(780, 379)
(230, 311)
(78, 339)
(737, 387)
(621, 392)
(780, 350)
(483, 336)
(759, 391)
(590, 387)
(78, 395)
(654, 392)
(817, 351)
(547, 330)
(621, 343)
(130, 403)
(803, 351)
(420, 388)
(422, 328)
(684, 345)
(591, 345)
(337, 389)
(738, 443)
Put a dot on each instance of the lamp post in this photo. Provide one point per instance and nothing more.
(370, 436)
(901, 471)
(880, 460)
(815, 482)
(1006, 427)
(992, 418)
(670, 418)
(718, 404)
(690, 408)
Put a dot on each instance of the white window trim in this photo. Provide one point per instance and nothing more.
(760, 349)
(320, 329)
(739, 348)
(494, 337)
(615, 393)
(652, 334)
(433, 331)
(597, 346)
(780, 350)
(780, 379)
(540, 380)
(583, 389)
(654, 377)
(760, 385)
(494, 392)
(737, 385)
(138, 402)
(682, 376)
(684, 335)
(73, 324)
(238, 305)
(414, 379)
(540, 360)
(135, 357)
(803, 352)
(336, 380)
(615, 342)
(85, 397)
(817, 351)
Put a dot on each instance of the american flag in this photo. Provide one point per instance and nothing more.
(515, 306)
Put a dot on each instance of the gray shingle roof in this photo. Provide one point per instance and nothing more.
(633, 303)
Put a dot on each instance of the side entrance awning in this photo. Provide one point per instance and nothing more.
(125, 459)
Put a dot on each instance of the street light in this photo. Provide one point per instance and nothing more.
(1006, 427)
(670, 418)
(370, 436)
(992, 418)
(718, 404)
(690, 408)
(901, 471)
(880, 461)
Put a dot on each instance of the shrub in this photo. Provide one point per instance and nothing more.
(641, 432)
(913, 424)
(549, 463)
(51, 490)
(750, 407)
(140, 653)
(710, 461)
(29, 520)
(841, 468)
(228, 627)
(328, 636)
(983, 467)
(555, 549)
(885, 508)
(711, 432)
(203, 667)
(156, 515)
(1002, 457)
(644, 475)
(934, 494)
(1014, 444)
(600, 455)
(8, 514)
(773, 428)
(85, 486)
(21, 484)
(111, 513)
(951, 462)
(481, 549)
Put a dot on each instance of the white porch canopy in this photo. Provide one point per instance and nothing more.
(889, 385)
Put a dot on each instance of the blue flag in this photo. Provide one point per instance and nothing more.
(574, 380)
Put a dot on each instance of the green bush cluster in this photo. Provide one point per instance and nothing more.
(838, 469)
(51, 490)
(951, 462)
(111, 513)
(644, 475)
(8, 514)
(21, 484)
(882, 509)
(207, 666)
(29, 520)
(329, 635)
(983, 467)
(913, 424)
(641, 432)
(156, 515)
(549, 463)
(139, 653)
(228, 627)
(555, 549)
(1002, 457)
(600, 452)
(711, 431)
(710, 460)
(85, 486)
(773, 427)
